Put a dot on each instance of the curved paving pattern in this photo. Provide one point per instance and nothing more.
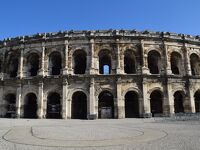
(81, 135)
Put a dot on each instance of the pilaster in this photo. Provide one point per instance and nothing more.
(65, 69)
(64, 101)
(41, 70)
(18, 100)
(40, 100)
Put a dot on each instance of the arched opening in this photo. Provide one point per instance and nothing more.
(197, 101)
(13, 67)
(10, 105)
(154, 61)
(55, 63)
(53, 106)
(156, 102)
(80, 61)
(131, 105)
(30, 106)
(105, 105)
(79, 105)
(104, 62)
(33, 64)
(129, 62)
(176, 62)
(195, 65)
(178, 102)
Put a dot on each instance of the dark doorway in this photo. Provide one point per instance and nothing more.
(129, 62)
(176, 63)
(131, 105)
(13, 67)
(154, 62)
(10, 105)
(30, 106)
(55, 63)
(33, 64)
(53, 106)
(106, 105)
(194, 62)
(80, 62)
(79, 105)
(178, 102)
(104, 62)
(197, 101)
(156, 99)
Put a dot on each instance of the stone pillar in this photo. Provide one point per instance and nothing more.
(191, 100)
(92, 113)
(40, 101)
(64, 100)
(92, 67)
(146, 101)
(120, 100)
(20, 66)
(18, 101)
(145, 69)
(1, 101)
(65, 69)
(118, 57)
(41, 71)
(167, 60)
(169, 103)
(187, 61)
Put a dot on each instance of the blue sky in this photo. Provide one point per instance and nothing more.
(26, 17)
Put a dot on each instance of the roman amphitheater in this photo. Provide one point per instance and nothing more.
(99, 74)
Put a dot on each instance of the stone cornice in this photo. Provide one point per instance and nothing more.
(90, 34)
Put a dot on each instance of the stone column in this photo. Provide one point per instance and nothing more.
(92, 113)
(146, 101)
(120, 100)
(167, 60)
(118, 57)
(65, 69)
(18, 100)
(145, 69)
(64, 100)
(41, 71)
(92, 67)
(191, 100)
(1, 101)
(20, 66)
(187, 60)
(40, 100)
(169, 100)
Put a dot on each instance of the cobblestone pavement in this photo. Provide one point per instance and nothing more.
(121, 134)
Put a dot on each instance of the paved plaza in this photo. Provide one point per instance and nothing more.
(116, 134)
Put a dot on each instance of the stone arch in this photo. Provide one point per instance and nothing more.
(195, 64)
(53, 105)
(106, 105)
(105, 61)
(55, 63)
(30, 106)
(154, 61)
(179, 97)
(79, 105)
(13, 63)
(10, 105)
(32, 64)
(176, 63)
(79, 61)
(129, 62)
(156, 102)
(197, 101)
(131, 104)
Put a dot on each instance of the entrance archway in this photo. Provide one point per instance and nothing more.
(106, 105)
(53, 106)
(197, 101)
(10, 105)
(30, 106)
(156, 100)
(131, 105)
(79, 105)
(178, 102)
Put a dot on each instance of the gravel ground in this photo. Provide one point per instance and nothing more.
(116, 134)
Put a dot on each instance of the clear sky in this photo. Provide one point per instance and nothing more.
(26, 17)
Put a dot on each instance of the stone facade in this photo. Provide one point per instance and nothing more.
(103, 74)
